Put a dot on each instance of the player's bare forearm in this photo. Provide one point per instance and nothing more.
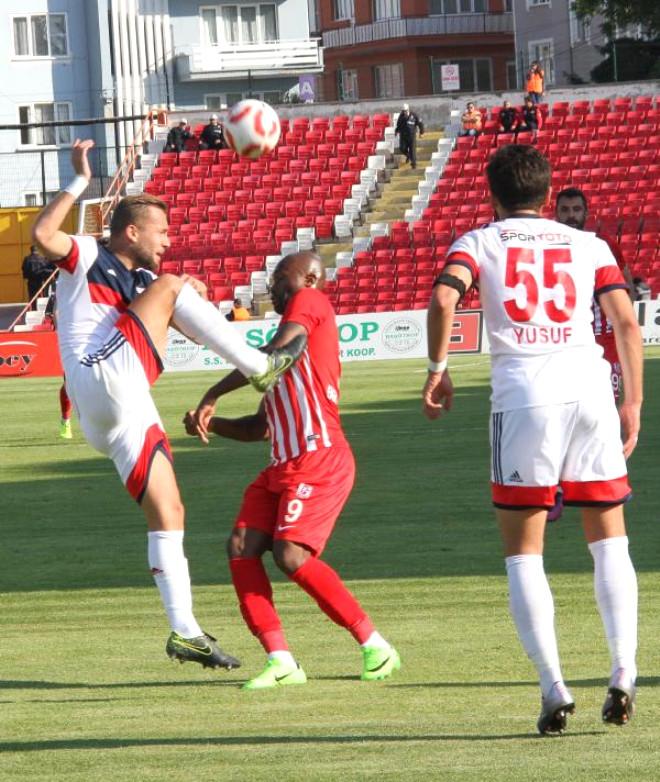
(248, 429)
(440, 318)
(46, 230)
(231, 382)
(46, 233)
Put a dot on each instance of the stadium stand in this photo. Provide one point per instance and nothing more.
(608, 148)
(230, 214)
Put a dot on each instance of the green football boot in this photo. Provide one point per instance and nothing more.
(379, 663)
(276, 674)
(279, 361)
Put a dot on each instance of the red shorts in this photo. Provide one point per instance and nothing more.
(300, 500)
(610, 355)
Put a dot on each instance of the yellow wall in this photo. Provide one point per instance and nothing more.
(15, 241)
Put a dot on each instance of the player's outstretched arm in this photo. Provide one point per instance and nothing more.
(249, 428)
(46, 232)
(438, 391)
(291, 335)
(619, 311)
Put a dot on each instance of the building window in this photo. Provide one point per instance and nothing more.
(239, 24)
(389, 80)
(580, 27)
(475, 75)
(544, 52)
(35, 199)
(459, 6)
(40, 35)
(387, 9)
(344, 9)
(534, 3)
(348, 85)
(45, 112)
(511, 76)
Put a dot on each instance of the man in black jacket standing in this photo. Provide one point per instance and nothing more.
(36, 270)
(406, 129)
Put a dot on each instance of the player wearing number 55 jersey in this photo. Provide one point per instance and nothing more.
(292, 506)
(554, 421)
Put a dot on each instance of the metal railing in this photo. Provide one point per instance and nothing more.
(447, 24)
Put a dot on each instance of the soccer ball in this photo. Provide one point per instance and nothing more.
(252, 128)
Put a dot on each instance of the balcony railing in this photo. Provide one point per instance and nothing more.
(224, 61)
(447, 24)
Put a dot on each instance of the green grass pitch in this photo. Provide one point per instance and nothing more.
(87, 694)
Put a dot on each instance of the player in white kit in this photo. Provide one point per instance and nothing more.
(113, 317)
(554, 421)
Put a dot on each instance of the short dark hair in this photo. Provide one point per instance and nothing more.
(519, 176)
(571, 192)
(129, 210)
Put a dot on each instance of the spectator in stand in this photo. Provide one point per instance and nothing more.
(406, 128)
(471, 121)
(641, 289)
(212, 136)
(535, 82)
(531, 118)
(36, 270)
(508, 118)
(238, 311)
(177, 137)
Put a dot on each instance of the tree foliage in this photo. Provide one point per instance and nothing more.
(623, 12)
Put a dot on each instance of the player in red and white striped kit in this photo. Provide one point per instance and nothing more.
(571, 209)
(554, 421)
(292, 506)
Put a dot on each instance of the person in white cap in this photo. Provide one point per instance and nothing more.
(177, 137)
(212, 136)
(406, 129)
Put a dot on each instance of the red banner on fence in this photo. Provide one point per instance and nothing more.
(29, 354)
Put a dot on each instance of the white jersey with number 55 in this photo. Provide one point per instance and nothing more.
(537, 279)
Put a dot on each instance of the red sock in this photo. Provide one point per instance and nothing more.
(322, 583)
(255, 597)
(65, 404)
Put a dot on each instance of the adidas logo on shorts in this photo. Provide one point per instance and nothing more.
(514, 477)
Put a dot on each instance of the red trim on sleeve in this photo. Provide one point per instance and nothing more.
(70, 261)
(102, 294)
(131, 327)
(608, 276)
(154, 439)
(463, 259)
(523, 496)
(611, 492)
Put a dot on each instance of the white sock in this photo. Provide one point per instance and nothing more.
(615, 585)
(202, 322)
(533, 612)
(377, 640)
(283, 656)
(169, 568)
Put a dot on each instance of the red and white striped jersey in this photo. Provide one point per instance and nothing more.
(302, 409)
(602, 327)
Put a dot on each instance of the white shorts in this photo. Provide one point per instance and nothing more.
(110, 390)
(576, 446)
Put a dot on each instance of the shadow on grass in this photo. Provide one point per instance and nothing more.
(29, 684)
(248, 741)
(643, 681)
